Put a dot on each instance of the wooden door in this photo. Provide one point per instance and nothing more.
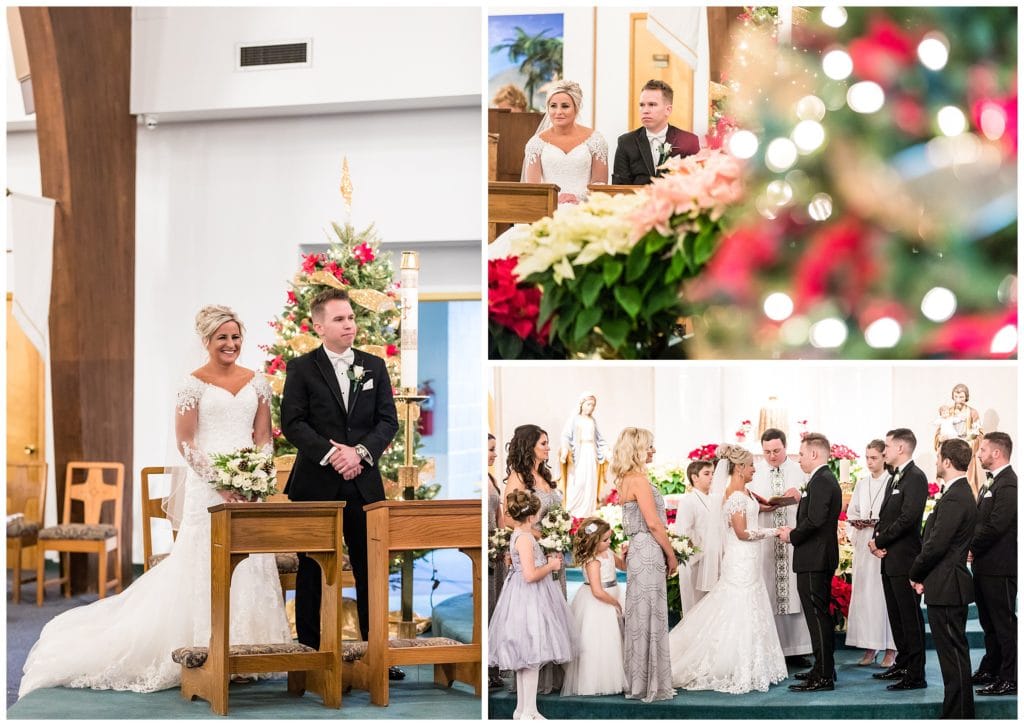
(26, 419)
(650, 59)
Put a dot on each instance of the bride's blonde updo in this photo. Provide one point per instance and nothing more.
(630, 452)
(734, 454)
(211, 317)
(571, 89)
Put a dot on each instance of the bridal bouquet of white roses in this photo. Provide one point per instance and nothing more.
(249, 472)
(682, 546)
(556, 533)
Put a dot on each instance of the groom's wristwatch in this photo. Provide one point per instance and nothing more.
(364, 454)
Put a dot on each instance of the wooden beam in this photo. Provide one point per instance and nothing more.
(81, 63)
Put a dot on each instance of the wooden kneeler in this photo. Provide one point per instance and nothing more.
(395, 526)
(241, 529)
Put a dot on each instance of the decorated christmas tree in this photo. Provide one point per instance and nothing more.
(353, 262)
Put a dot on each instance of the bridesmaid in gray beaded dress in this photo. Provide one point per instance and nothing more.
(648, 561)
(527, 467)
(497, 570)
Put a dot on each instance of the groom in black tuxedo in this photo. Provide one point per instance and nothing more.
(639, 153)
(994, 550)
(897, 541)
(940, 573)
(815, 558)
(339, 412)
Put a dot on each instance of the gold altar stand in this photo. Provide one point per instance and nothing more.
(395, 526)
(241, 529)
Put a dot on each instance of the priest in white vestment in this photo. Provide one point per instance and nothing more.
(778, 476)
(868, 623)
(692, 521)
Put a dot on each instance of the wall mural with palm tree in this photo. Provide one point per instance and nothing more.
(525, 50)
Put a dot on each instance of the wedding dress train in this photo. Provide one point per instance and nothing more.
(728, 641)
(124, 642)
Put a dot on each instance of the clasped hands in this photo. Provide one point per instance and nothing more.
(876, 551)
(783, 533)
(345, 460)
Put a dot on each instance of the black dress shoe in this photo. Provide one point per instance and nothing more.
(983, 678)
(806, 675)
(893, 674)
(396, 674)
(814, 684)
(907, 685)
(999, 688)
(494, 681)
(800, 661)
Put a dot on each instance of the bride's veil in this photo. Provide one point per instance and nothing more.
(563, 86)
(708, 575)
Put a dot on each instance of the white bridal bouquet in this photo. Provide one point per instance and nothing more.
(497, 543)
(556, 533)
(249, 472)
(682, 546)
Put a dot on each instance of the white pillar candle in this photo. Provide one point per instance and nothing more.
(844, 471)
(410, 318)
(785, 24)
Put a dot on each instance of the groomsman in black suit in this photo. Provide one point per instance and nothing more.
(815, 558)
(940, 573)
(897, 540)
(339, 412)
(639, 153)
(994, 552)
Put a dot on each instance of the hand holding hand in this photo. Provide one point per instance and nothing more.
(783, 533)
(792, 492)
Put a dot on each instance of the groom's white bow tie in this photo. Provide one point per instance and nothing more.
(348, 358)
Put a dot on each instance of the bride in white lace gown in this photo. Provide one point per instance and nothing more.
(728, 641)
(562, 152)
(124, 642)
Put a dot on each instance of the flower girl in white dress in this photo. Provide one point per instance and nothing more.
(597, 607)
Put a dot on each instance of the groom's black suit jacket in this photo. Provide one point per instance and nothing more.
(815, 543)
(312, 414)
(634, 162)
(899, 520)
(942, 563)
(995, 535)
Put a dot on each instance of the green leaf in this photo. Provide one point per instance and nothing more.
(612, 270)
(510, 346)
(585, 323)
(664, 298)
(636, 263)
(630, 299)
(704, 246)
(549, 300)
(615, 332)
(675, 268)
(591, 288)
(654, 241)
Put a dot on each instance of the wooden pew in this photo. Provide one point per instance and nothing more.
(241, 529)
(616, 188)
(513, 131)
(395, 526)
(518, 202)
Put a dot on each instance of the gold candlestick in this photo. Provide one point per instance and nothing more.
(408, 403)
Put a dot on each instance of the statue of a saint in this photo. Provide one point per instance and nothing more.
(583, 454)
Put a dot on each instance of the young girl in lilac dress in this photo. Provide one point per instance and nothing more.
(531, 624)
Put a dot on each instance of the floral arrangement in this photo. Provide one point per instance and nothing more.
(682, 546)
(839, 605)
(556, 533)
(707, 452)
(497, 543)
(934, 495)
(844, 463)
(512, 310)
(668, 478)
(743, 430)
(249, 472)
(612, 514)
(610, 270)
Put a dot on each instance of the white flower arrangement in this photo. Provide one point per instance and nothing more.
(555, 536)
(497, 543)
(682, 546)
(249, 472)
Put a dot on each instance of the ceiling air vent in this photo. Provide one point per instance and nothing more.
(253, 57)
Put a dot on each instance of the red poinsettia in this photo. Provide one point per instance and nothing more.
(511, 304)
(842, 516)
(970, 336)
(843, 452)
(703, 453)
(392, 350)
(363, 253)
(576, 522)
(741, 253)
(275, 365)
(882, 53)
(933, 489)
(841, 591)
(670, 516)
(613, 497)
(840, 260)
(311, 261)
(292, 299)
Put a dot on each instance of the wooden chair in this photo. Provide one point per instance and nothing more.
(89, 536)
(395, 526)
(26, 494)
(517, 202)
(241, 529)
(152, 509)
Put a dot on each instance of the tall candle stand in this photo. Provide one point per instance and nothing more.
(408, 401)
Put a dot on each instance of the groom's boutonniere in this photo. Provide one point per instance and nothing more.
(356, 374)
(664, 152)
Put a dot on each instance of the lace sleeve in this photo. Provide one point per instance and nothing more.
(262, 388)
(533, 149)
(598, 147)
(189, 394)
(736, 502)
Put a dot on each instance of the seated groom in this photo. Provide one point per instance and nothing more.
(639, 153)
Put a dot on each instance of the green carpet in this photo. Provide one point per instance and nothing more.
(415, 697)
(857, 696)
(453, 618)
